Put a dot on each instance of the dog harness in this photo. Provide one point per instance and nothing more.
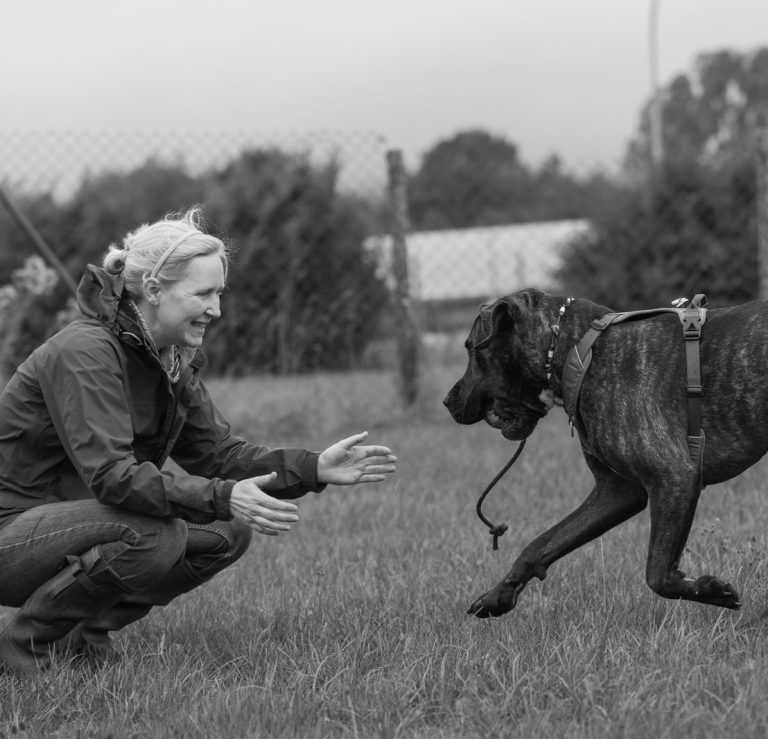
(579, 357)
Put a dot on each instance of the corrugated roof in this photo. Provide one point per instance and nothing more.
(481, 262)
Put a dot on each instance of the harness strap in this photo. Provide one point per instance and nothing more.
(580, 356)
(693, 318)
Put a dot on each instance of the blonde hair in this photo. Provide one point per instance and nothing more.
(162, 250)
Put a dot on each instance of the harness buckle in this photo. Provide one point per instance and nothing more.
(692, 328)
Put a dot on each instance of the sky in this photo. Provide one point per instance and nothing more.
(551, 76)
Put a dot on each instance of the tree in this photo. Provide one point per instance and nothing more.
(689, 226)
(106, 207)
(708, 115)
(303, 292)
(691, 230)
(471, 179)
(478, 179)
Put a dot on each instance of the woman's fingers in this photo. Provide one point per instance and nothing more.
(353, 440)
(379, 469)
(381, 459)
(259, 510)
(380, 451)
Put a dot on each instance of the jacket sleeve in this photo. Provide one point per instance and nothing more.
(207, 447)
(84, 388)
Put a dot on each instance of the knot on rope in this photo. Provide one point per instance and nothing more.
(496, 531)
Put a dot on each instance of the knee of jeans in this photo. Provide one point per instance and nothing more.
(172, 540)
(162, 545)
(146, 551)
(227, 539)
(241, 539)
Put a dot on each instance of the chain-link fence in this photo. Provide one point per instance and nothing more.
(296, 209)
(59, 161)
(313, 218)
(90, 176)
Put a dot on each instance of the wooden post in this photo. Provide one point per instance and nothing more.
(761, 208)
(40, 244)
(407, 331)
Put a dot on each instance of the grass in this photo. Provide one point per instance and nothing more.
(354, 625)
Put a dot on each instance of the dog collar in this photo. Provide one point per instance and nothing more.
(555, 333)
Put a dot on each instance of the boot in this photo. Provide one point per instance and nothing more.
(79, 592)
(91, 638)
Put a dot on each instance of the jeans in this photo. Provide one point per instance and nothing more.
(159, 558)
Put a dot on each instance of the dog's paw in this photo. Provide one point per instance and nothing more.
(495, 602)
(715, 592)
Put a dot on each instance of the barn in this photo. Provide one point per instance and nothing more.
(451, 272)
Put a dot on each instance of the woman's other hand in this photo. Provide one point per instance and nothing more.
(263, 513)
(347, 463)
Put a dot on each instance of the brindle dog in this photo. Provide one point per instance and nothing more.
(633, 412)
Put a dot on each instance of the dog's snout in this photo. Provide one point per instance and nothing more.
(463, 403)
(449, 401)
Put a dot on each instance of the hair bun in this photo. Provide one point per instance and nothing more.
(114, 262)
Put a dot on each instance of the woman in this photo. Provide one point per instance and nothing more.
(94, 530)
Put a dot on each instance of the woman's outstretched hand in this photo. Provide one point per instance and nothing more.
(347, 463)
(260, 511)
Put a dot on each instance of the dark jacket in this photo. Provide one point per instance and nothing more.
(91, 413)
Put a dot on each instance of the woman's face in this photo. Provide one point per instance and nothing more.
(185, 308)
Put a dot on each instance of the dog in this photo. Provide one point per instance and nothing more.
(632, 422)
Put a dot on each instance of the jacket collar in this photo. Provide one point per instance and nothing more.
(99, 295)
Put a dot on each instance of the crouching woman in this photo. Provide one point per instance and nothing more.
(95, 529)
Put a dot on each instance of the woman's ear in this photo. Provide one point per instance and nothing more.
(151, 289)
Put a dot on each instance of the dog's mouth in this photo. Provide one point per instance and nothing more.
(492, 417)
(512, 427)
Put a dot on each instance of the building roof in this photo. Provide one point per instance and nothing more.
(481, 263)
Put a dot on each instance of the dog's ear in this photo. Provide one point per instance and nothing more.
(515, 308)
(488, 321)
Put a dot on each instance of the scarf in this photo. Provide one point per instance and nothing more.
(169, 357)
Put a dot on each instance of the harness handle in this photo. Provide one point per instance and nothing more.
(498, 529)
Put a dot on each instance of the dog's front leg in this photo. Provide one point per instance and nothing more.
(612, 501)
(671, 518)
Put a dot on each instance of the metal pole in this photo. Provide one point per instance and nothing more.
(407, 332)
(761, 207)
(656, 133)
(38, 241)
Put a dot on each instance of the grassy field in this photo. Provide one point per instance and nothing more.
(354, 625)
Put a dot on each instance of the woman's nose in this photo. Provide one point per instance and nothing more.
(214, 307)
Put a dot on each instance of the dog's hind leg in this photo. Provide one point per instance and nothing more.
(611, 502)
(671, 518)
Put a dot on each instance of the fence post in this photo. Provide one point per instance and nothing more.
(407, 331)
(761, 207)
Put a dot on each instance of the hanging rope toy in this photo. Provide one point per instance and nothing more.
(498, 529)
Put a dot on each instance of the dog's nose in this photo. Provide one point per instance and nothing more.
(450, 400)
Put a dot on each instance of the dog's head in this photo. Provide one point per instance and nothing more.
(506, 374)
